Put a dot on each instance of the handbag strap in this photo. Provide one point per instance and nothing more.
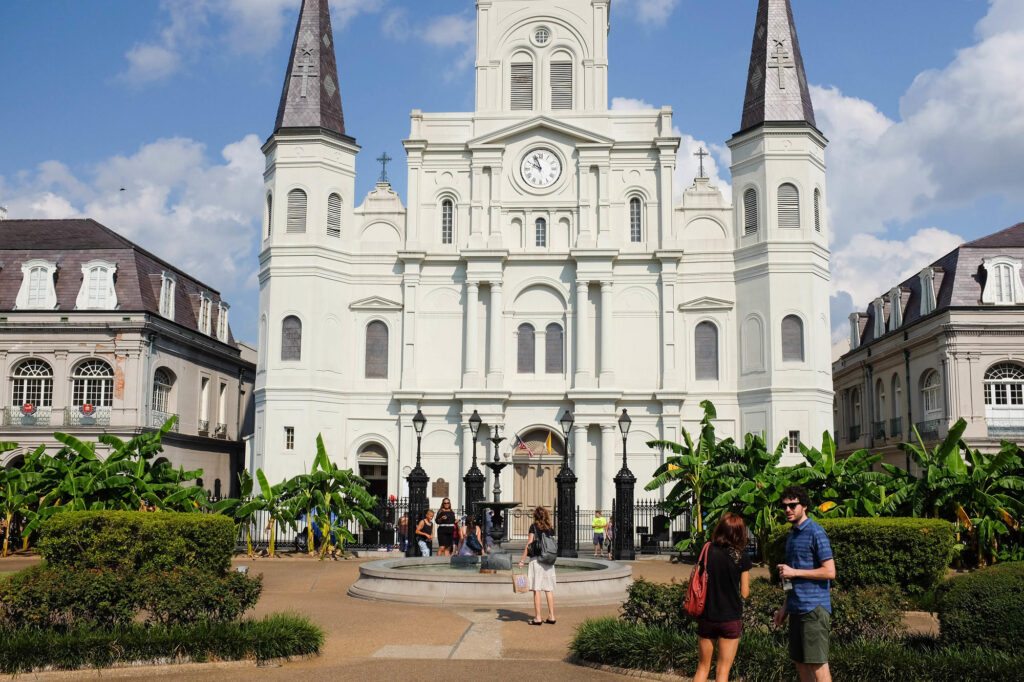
(703, 560)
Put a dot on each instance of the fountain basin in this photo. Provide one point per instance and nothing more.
(432, 581)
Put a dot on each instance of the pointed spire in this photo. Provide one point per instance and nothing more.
(776, 84)
(311, 98)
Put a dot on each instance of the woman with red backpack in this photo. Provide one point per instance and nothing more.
(727, 569)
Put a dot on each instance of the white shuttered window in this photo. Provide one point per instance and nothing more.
(334, 215)
(789, 207)
(296, 211)
(561, 85)
(522, 86)
(706, 351)
(750, 212)
(792, 339)
(817, 210)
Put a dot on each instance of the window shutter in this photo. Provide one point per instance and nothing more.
(376, 350)
(527, 363)
(706, 350)
(561, 85)
(334, 215)
(291, 338)
(792, 339)
(270, 215)
(750, 212)
(789, 207)
(522, 86)
(553, 349)
(817, 210)
(296, 211)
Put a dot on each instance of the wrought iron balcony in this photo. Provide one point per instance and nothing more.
(929, 428)
(895, 427)
(99, 416)
(204, 427)
(221, 431)
(160, 418)
(1005, 428)
(14, 417)
(854, 434)
(878, 430)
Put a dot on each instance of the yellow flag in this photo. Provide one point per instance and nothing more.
(549, 442)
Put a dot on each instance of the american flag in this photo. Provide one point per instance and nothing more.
(518, 444)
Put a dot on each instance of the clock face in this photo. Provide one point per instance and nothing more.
(541, 168)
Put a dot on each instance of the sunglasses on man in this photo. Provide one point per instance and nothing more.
(791, 505)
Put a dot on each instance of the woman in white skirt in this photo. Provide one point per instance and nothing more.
(541, 576)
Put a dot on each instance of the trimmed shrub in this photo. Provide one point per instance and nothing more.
(911, 553)
(277, 636)
(985, 608)
(181, 597)
(657, 605)
(138, 541)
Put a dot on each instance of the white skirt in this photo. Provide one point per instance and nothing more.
(541, 577)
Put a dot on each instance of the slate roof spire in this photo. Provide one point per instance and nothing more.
(310, 97)
(776, 83)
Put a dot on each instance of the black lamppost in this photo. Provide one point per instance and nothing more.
(474, 478)
(566, 481)
(418, 480)
(625, 481)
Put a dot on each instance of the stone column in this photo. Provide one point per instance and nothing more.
(606, 469)
(472, 373)
(587, 494)
(496, 371)
(584, 366)
(607, 368)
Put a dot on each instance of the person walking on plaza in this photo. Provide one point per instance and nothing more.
(599, 524)
(728, 572)
(447, 524)
(806, 579)
(425, 533)
(541, 576)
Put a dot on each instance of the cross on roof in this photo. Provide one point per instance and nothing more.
(384, 159)
(780, 60)
(700, 153)
(308, 69)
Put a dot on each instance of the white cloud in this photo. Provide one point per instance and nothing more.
(650, 12)
(449, 30)
(687, 163)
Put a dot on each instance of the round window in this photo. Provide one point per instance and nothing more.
(542, 36)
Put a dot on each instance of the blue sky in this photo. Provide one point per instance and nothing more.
(922, 100)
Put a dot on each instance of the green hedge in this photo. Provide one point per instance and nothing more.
(762, 658)
(911, 553)
(275, 636)
(138, 541)
(985, 608)
(66, 598)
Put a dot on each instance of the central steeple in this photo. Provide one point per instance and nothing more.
(311, 97)
(776, 83)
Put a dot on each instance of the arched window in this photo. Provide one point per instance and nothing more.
(705, 349)
(296, 211)
(542, 232)
(930, 402)
(334, 215)
(789, 207)
(291, 339)
(269, 218)
(33, 383)
(561, 82)
(636, 225)
(447, 221)
(792, 339)
(880, 411)
(817, 210)
(521, 86)
(376, 350)
(896, 406)
(1003, 274)
(38, 286)
(750, 211)
(163, 382)
(527, 363)
(855, 407)
(553, 354)
(1004, 385)
(93, 384)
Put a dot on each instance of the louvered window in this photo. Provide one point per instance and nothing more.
(334, 215)
(750, 212)
(705, 344)
(296, 211)
(376, 350)
(542, 232)
(561, 85)
(522, 86)
(636, 225)
(270, 216)
(792, 339)
(817, 210)
(447, 221)
(789, 207)
(527, 344)
(291, 339)
(553, 349)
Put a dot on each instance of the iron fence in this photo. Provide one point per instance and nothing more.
(896, 426)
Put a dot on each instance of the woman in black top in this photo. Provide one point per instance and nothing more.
(728, 584)
(446, 523)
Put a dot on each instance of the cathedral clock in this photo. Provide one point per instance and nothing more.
(541, 168)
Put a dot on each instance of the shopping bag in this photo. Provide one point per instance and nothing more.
(520, 583)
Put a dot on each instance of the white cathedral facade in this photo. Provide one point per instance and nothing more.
(539, 263)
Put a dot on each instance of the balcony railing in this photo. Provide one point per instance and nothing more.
(929, 428)
(854, 434)
(896, 427)
(13, 416)
(221, 431)
(878, 430)
(100, 416)
(204, 427)
(1005, 428)
(160, 418)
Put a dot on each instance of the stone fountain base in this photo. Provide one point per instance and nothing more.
(605, 583)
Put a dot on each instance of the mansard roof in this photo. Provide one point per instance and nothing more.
(311, 97)
(70, 243)
(777, 89)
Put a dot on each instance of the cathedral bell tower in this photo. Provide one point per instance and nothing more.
(782, 255)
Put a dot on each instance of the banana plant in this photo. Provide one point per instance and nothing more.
(338, 496)
(271, 500)
(850, 484)
(15, 497)
(242, 509)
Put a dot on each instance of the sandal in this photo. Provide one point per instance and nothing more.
(549, 622)
(536, 622)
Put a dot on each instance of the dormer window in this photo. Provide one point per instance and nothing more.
(37, 290)
(222, 322)
(895, 309)
(97, 292)
(205, 306)
(927, 278)
(167, 286)
(1002, 283)
(879, 306)
(854, 330)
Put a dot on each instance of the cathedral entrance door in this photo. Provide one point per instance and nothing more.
(534, 486)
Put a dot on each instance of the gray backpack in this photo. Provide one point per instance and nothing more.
(548, 550)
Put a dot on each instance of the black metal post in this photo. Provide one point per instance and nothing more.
(625, 482)
(566, 481)
(418, 501)
(474, 485)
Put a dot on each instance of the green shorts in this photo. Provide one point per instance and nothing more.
(808, 636)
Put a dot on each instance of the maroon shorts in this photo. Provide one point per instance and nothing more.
(714, 629)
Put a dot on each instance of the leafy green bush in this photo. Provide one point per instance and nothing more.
(911, 553)
(985, 608)
(138, 541)
(276, 636)
(64, 598)
(657, 605)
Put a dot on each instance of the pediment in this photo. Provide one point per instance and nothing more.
(580, 135)
(707, 303)
(375, 303)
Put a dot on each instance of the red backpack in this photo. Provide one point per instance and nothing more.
(697, 592)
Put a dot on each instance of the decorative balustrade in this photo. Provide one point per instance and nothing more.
(204, 427)
(221, 431)
(854, 434)
(1005, 428)
(15, 418)
(160, 418)
(929, 428)
(97, 416)
(878, 430)
(896, 427)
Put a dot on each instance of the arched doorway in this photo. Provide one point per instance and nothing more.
(15, 462)
(373, 466)
(535, 465)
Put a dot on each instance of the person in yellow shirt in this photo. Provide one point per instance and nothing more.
(599, 524)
